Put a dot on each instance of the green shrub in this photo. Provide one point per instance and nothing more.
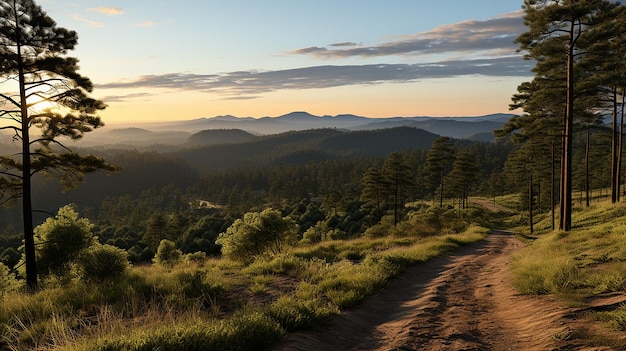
(100, 262)
(256, 234)
(60, 240)
(196, 257)
(167, 254)
(319, 232)
(280, 264)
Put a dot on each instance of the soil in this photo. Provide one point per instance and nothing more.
(463, 301)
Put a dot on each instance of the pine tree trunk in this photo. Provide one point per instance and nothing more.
(614, 150)
(566, 171)
(553, 185)
(620, 150)
(587, 168)
(395, 205)
(441, 189)
(530, 202)
(27, 205)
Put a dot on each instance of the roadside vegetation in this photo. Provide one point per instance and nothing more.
(192, 302)
(587, 263)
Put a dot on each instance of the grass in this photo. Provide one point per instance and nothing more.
(616, 318)
(581, 264)
(216, 304)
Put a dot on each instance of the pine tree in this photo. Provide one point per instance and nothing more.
(373, 191)
(464, 172)
(53, 98)
(398, 176)
(440, 154)
(560, 37)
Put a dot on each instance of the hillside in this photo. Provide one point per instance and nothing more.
(219, 136)
(304, 146)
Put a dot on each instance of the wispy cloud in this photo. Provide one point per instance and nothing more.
(92, 23)
(110, 11)
(125, 98)
(247, 84)
(479, 38)
(484, 48)
(145, 24)
(345, 44)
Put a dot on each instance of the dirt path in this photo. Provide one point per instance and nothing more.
(460, 302)
(490, 205)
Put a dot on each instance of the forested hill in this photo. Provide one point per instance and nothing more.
(219, 136)
(161, 136)
(304, 146)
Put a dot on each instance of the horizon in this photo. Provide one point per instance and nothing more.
(159, 61)
(137, 122)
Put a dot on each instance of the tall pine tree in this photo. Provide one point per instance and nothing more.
(560, 37)
(52, 98)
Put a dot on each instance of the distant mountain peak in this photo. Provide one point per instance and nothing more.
(297, 115)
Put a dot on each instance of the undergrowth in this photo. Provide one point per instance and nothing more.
(215, 304)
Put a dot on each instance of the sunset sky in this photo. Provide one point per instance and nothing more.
(182, 59)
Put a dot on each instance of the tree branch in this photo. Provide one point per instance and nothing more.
(10, 99)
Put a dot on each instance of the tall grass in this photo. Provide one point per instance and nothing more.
(580, 264)
(208, 305)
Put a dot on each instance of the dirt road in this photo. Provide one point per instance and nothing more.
(460, 302)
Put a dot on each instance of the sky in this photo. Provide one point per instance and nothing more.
(163, 60)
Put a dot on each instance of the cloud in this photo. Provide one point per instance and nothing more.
(248, 84)
(110, 11)
(488, 37)
(125, 98)
(145, 24)
(484, 48)
(79, 18)
(344, 44)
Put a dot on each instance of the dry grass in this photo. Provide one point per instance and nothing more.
(198, 304)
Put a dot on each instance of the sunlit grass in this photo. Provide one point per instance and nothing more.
(616, 319)
(216, 303)
(580, 264)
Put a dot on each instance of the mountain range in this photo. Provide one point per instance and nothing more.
(184, 133)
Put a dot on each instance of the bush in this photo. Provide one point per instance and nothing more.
(8, 283)
(100, 262)
(196, 257)
(61, 239)
(167, 254)
(256, 234)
